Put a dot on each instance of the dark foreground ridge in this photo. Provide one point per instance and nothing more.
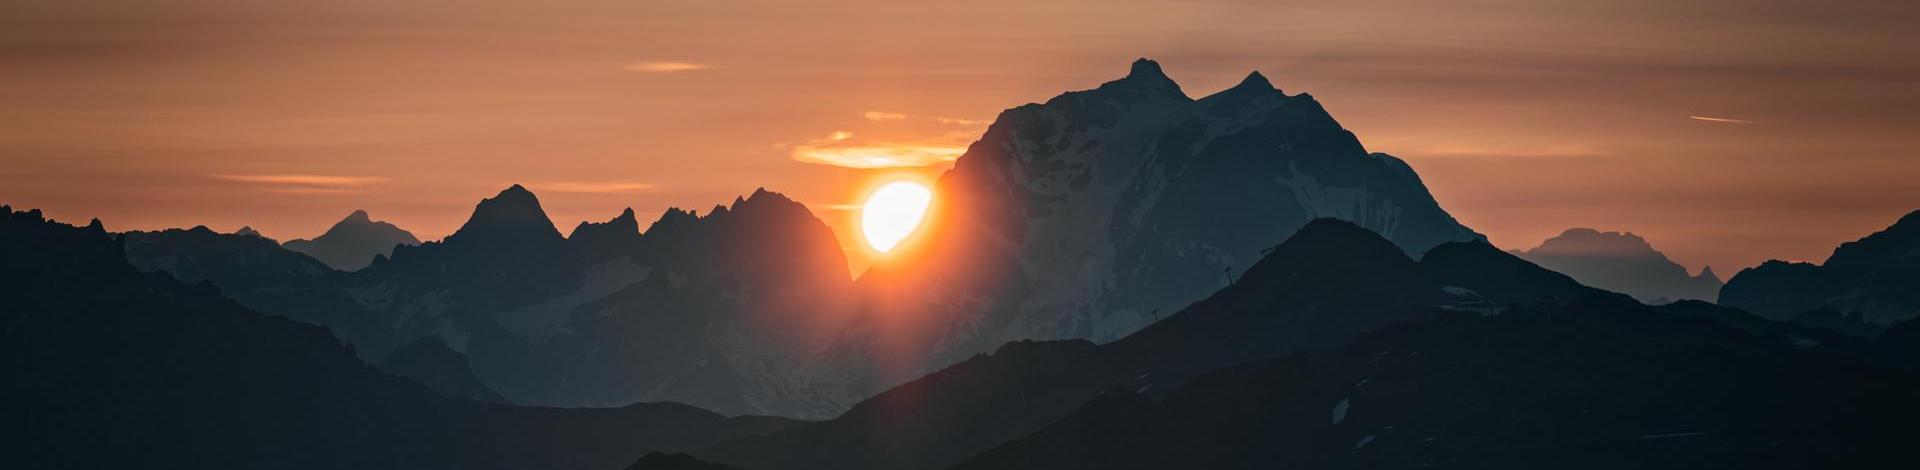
(109, 367)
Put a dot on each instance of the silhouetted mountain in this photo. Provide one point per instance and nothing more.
(109, 367)
(1871, 281)
(512, 217)
(611, 238)
(724, 310)
(1098, 211)
(1597, 383)
(445, 371)
(353, 242)
(1329, 282)
(1622, 262)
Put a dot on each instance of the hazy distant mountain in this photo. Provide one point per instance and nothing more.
(109, 367)
(353, 242)
(1872, 281)
(1093, 214)
(1326, 284)
(1622, 262)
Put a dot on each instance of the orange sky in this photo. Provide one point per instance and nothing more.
(1524, 117)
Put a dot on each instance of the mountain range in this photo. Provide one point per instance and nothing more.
(704, 309)
(1622, 262)
(1089, 217)
(1121, 277)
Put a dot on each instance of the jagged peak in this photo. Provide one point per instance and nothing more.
(1255, 81)
(1147, 73)
(1707, 273)
(514, 209)
(1144, 68)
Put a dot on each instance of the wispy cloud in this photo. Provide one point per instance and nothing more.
(885, 116)
(590, 187)
(841, 149)
(304, 184)
(304, 180)
(1722, 119)
(666, 67)
(1556, 150)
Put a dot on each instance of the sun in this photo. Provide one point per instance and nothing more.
(892, 212)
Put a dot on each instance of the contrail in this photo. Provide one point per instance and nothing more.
(1716, 119)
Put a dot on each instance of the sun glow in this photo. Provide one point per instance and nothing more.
(892, 212)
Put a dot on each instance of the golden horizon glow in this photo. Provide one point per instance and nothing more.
(892, 213)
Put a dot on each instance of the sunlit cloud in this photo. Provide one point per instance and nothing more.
(877, 156)
(666, 67)
(884, 116)
(590, 187)
(1721, 119)
(838, 207)
(302, 184)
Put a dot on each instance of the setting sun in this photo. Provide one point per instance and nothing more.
(892, 212)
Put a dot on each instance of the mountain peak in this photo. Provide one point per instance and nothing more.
(1146, 68)
(514, 213)
(623, 229)
(358, 216)
(1255, 81)
(1147, 73)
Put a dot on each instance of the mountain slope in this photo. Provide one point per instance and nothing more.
(1869, 281)
(445, 371)
(1622, 262)
(111, 367)
(353, 242)
(1591, 384)
(1098, 211)
(1330, 281)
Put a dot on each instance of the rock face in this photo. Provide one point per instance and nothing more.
(1093, 214)
(1622, 262)
(1873, 281)
(353, 242)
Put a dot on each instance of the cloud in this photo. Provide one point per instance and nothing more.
(877, 156)
(304, 184)
(1556, 150)
(304, 180)
(591, 187)
(666, 67)
(884, 116)
(1721, 119)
